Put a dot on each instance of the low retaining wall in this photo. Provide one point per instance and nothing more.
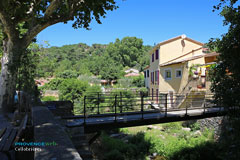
(60, 108)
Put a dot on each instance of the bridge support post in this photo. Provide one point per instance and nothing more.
(142, 103)
(120, 102)
(166, 99)
(115, 108)
(84, 110)
(98, 103)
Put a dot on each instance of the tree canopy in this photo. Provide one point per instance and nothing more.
(36, 15)
(21, 21)
(226, 76)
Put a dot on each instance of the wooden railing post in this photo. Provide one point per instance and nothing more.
(84, 109)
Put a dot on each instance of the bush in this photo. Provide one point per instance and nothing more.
(136, 148)
(49, 98)
(195, 126)
(53, 84)
(93, 93)
(144, 91)
(138, 81)
(172, 126)
(72, 89)
(114, 155)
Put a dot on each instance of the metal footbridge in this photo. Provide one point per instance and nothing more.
(104, 112)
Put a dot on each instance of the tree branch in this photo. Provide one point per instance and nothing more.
(30, 13)
(7, 27)
(51, 8)
(32, 32)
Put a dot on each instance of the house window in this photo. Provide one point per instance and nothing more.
(153, 57)
(147, 73)
(153, 77)
(168, 74)
(157, 53)
(157, 77)
(178, 73)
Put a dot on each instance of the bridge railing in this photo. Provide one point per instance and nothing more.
(98, 104)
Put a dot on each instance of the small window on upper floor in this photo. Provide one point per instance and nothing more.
(147, 73)
(168, 74)
(178, 73)
(153, 57)
(157, 53)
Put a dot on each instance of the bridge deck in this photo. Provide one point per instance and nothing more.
(93, 124)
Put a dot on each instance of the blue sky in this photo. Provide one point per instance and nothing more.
(152, 20)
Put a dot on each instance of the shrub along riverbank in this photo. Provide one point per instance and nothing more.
(159, 142)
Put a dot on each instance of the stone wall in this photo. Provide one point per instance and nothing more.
(214, 123)
(60, 108)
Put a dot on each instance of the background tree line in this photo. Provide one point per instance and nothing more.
(105, 61)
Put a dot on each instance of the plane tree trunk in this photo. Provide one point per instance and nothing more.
(10, 62)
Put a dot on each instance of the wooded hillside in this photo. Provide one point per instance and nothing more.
(107, 61)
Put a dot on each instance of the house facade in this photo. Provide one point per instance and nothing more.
(173, 63)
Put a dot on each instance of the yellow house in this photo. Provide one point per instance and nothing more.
(171, 63)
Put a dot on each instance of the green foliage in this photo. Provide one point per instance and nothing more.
(91, 79)
(138, 81)
(137, 147)
(22, 21)
(143, 91)
(27, 70)
(110, 70)
(125, 99)
(226, 75)
(172, 126)
(91, 60)
(127, 82)
(192, 69)
(195, 126)
(49, 98)
(199, 152)
(72, 89)
(54, 84)
(94, 97)
(67, 74)
(124, 82)
(113, 155)
(169, 141)
(126, 52)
